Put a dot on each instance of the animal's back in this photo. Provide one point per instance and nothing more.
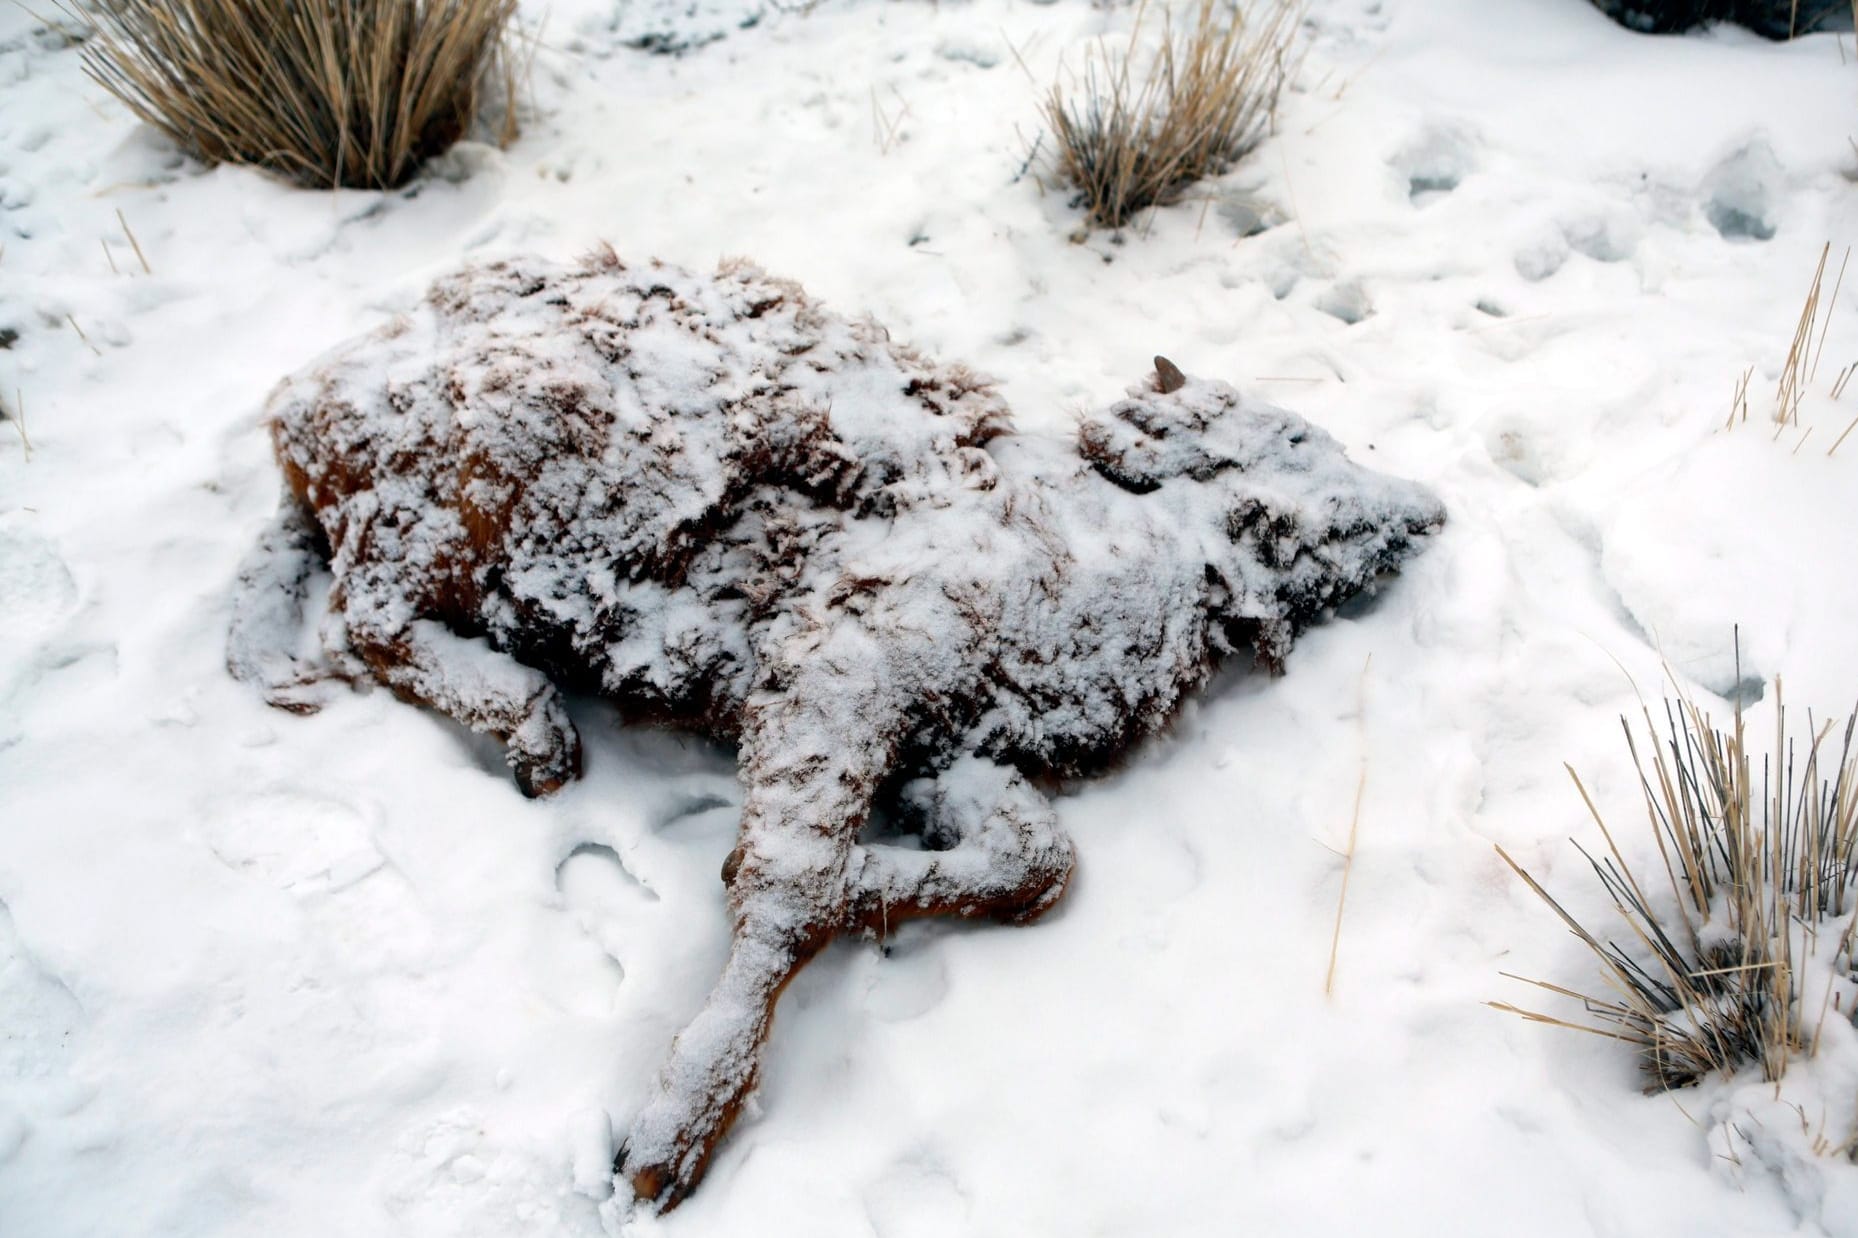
(609, 470)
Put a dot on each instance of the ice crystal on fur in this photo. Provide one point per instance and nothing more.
(726, 508)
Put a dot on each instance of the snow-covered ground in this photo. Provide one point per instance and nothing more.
(303, 976)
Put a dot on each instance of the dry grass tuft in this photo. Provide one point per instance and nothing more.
(1803, 356)
(354, 93)
(1126, 143)
(1761, 868)
(1802, 365)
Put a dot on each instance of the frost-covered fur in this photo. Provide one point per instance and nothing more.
(725, 508)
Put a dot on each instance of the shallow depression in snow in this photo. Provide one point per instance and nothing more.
(36, 588)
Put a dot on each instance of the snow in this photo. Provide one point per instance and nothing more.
(270, 973)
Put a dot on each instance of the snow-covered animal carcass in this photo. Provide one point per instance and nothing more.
(725, 508)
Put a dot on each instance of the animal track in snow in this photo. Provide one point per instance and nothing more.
(1541, 255)
(917, 1197)
(450, 1177)
(300, 842)
(1248, 214)
(36, 588)
(690, 804)
(1434, 163)
(38, 1015)
(320, 851)
(1346, 301)
(1608, 234)
(593, 876)
(1739, 194)
(584, 973)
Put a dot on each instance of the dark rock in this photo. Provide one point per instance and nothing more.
(1773, 19)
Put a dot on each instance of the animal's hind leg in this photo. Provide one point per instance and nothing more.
(788, 893)
(812, 760)
(797, 879)
(996, 851)
(463, 677)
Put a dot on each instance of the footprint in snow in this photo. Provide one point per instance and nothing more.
(905, 978)
(38, 1018)
(449, 1175)
(1604, 235)
(1740, 195)
(699, 811)
(1434, 163)
(582, 969)
(320, 850)
(917, 1196)
(302, 843)
(1347, 302)
(37, 591)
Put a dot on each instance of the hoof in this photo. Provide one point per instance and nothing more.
(536, 788)
(537, 776)
(655, 1186)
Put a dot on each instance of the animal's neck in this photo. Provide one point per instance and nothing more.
(1161, 535)
(1120, 612)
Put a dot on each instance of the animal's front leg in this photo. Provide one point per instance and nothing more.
(812, 765)
(995, 850)
(464, 677)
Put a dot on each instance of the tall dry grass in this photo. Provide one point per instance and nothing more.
(355, 93)
(1736, 945)
(1801, 368)
(1127, 140)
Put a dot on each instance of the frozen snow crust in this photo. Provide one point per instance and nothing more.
(302, 975)
(723, 506)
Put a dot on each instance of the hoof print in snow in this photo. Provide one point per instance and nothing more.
(1247, 214)
(594, 877)
(1605, 237)
(44, 1019)
(1347, 302)
(724, 507)
(37, 591)
(1740, 194)
(603, 898)
(1434, 164)
(1542, 255)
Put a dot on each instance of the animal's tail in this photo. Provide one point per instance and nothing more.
(267, 613)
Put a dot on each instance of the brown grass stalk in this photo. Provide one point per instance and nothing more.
(1848, 429)
(1354, 832)
(1792, 386)
(17, 415)
(80, 335)
(133, 243)
(1738, 405)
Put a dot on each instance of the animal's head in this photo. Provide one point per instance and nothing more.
(1292, 525)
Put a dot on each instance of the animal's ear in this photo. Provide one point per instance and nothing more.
(1162, 430)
